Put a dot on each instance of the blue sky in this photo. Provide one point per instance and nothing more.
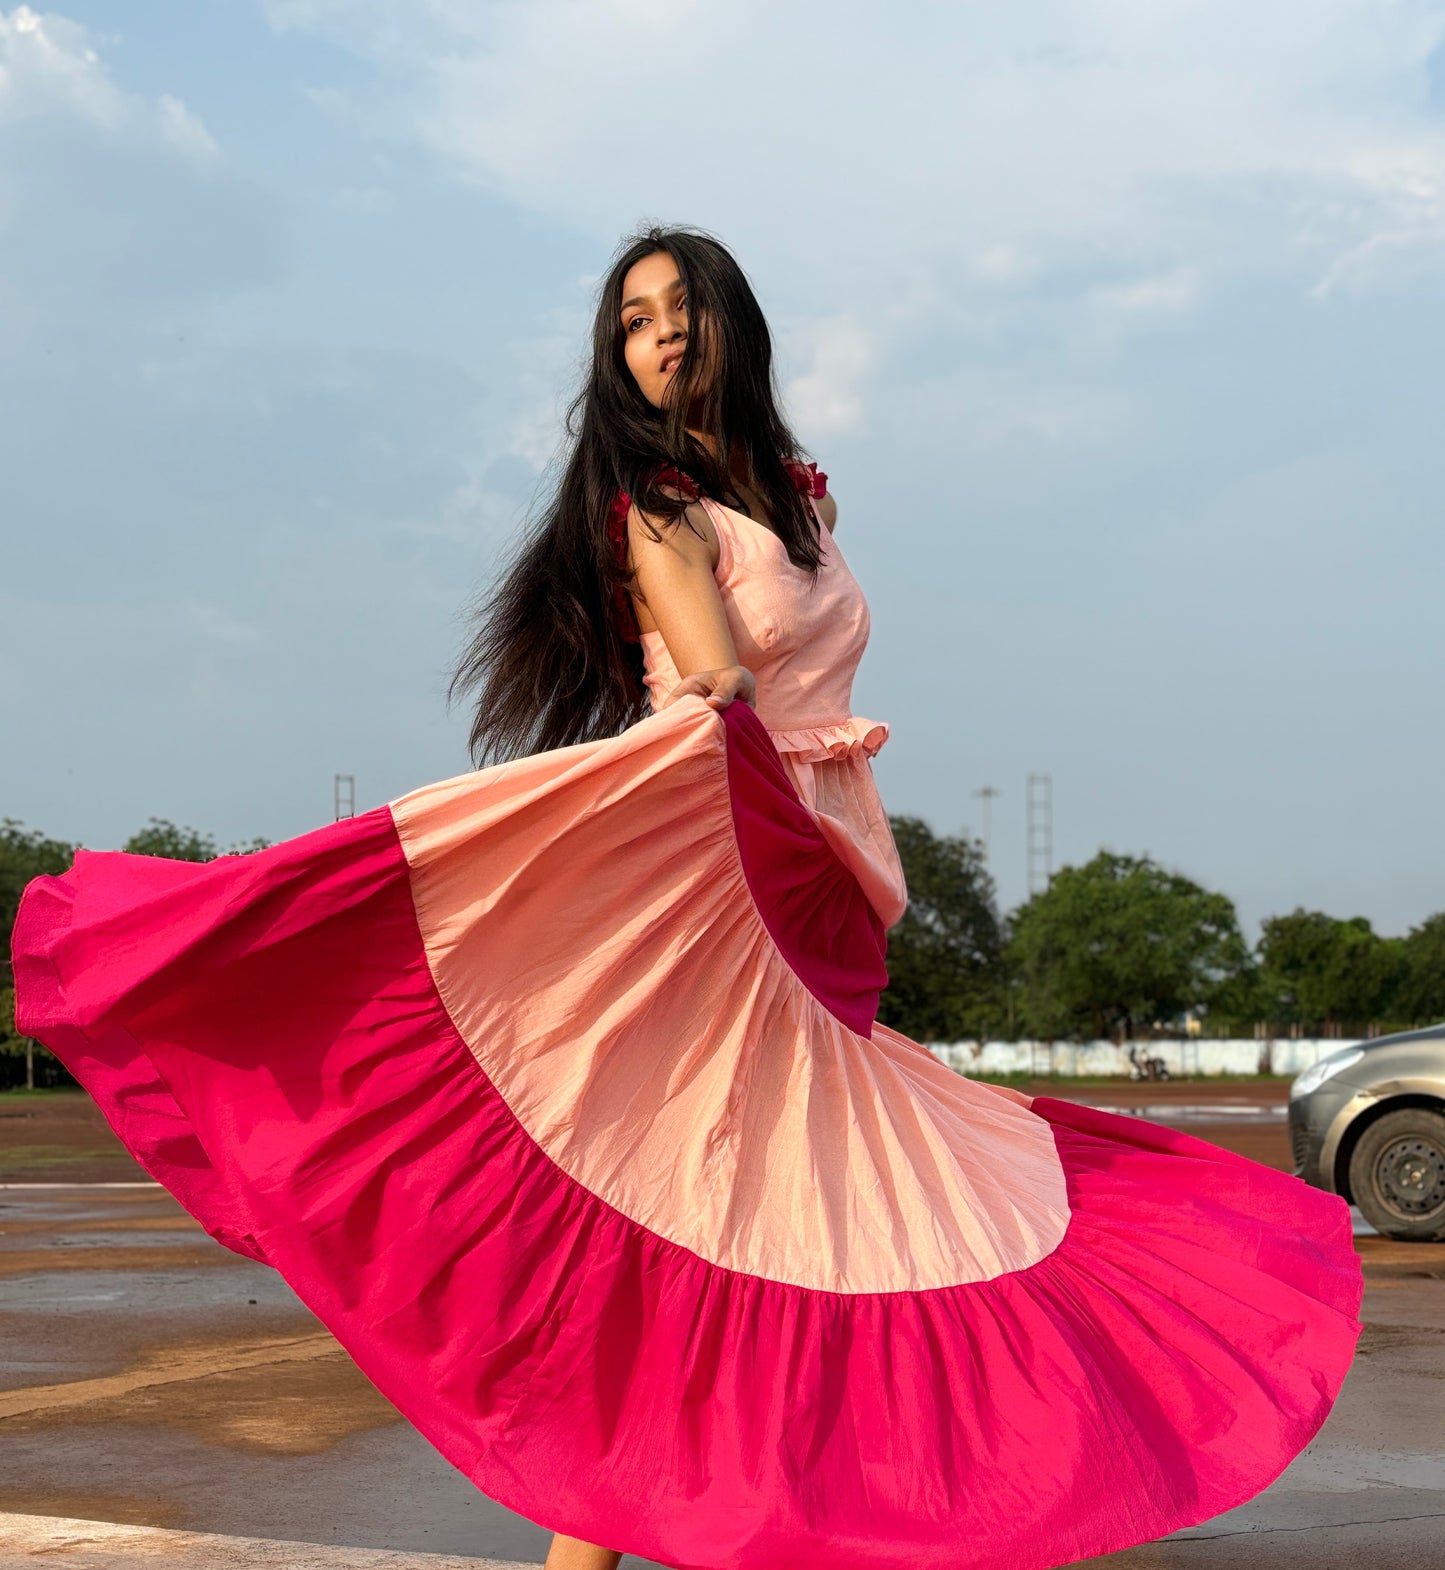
(1117, 326)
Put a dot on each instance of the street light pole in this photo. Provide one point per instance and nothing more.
(986, 793)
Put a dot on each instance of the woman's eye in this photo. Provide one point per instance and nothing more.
(682, 303)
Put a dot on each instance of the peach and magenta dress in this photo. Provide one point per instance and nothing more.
(556, 1091)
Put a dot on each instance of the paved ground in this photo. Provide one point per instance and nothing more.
(72, 1544)
(151, 1378)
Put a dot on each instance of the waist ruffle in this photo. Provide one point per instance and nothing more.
(851, 738)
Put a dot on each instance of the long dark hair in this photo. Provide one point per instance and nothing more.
(549, 660)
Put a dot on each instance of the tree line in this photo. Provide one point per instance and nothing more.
(1112, 949)
(26, 854)
(1121, 946)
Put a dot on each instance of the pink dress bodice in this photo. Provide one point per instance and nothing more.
(803, 642)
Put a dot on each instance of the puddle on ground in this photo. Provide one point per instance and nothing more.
(1197, 1112)
(33, 1239)
(160, 1292)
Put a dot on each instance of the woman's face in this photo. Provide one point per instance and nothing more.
(654, 323)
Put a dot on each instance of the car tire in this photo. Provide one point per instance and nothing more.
(1397, 1175)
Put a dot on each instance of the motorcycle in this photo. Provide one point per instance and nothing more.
(1145, 1066)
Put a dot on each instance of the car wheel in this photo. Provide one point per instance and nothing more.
(1397, 1175)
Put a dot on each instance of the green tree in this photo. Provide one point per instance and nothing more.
(1421, 995)
(161, 837)
(1118, 943)
(945, 955)
(25, 854)
(1243, 998)
(1324, 971)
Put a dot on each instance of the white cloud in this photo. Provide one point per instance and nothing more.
(207, 621)
(48, 66)
(185, 132)
(1003, 264)
(1131, 158)
(829, 397)
(987, 409)
(1407, 235)
(1077, 128)
(1161, 294)
(128, 210)
(46, 62)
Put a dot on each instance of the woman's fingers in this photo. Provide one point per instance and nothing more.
(735, 682)
(718, 688)
(724, 689)
(689, 686)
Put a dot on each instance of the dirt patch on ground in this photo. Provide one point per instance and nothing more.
(151, 1232)
(1266, 1143)
(121, 1224)
(1216, 1090)
(78, 1505)
(277, 1395)
(60, 1136)
(1387, 1260)
(20, 1262)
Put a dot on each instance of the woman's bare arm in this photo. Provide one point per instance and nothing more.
(675, 578)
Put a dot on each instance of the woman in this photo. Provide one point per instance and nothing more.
(556, 1090)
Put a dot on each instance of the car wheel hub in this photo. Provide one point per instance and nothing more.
(1412, 1176)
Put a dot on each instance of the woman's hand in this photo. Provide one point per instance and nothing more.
(718, 687)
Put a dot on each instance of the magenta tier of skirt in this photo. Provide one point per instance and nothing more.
(555, 1093)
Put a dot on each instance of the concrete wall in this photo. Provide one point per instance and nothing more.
(1182, 1056)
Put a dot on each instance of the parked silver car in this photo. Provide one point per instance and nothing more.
(1368, 1122)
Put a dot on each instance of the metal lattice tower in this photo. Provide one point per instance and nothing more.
(344, 796)
(1040, 802)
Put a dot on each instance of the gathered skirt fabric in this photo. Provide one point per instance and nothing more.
(555, 1091)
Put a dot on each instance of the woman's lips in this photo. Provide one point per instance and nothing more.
(670, 362)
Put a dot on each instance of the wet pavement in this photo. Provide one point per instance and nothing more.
(72, 1544)
(1196, 1112)
(152, 1378)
